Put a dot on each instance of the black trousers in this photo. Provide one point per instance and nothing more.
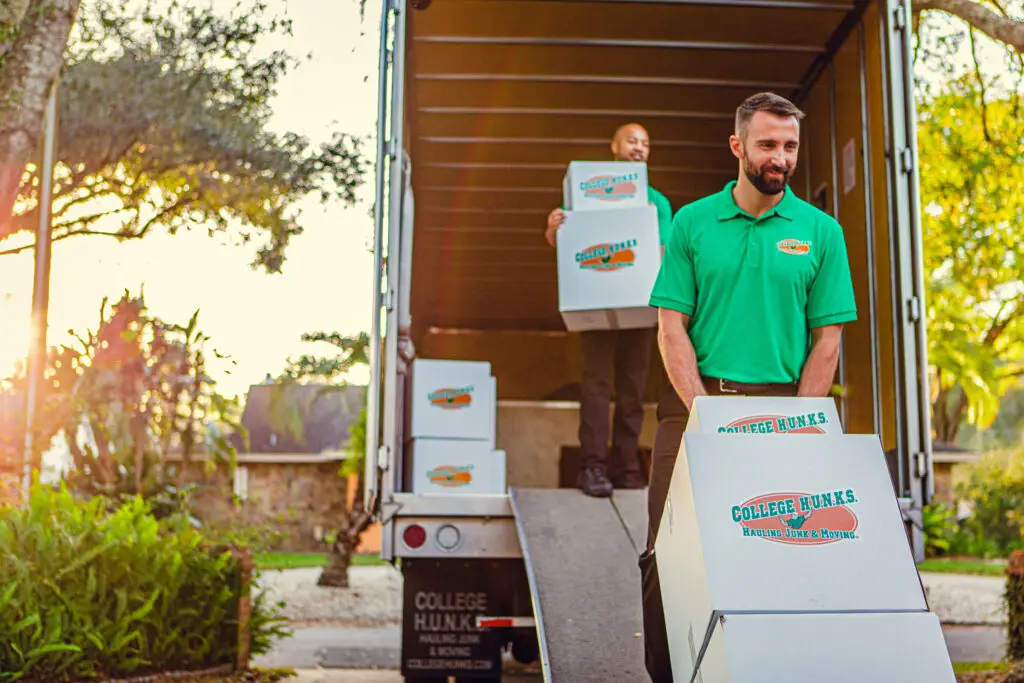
(625, 356)
(672, 419)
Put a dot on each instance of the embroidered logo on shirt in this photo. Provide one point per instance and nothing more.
(795, 247)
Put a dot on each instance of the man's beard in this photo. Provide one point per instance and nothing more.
(760, 180)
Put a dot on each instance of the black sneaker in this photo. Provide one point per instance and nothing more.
(593, 482)
(629, 480)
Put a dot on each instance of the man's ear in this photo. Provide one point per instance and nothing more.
(736, 145)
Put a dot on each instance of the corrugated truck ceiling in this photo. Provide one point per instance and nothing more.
(503, 94)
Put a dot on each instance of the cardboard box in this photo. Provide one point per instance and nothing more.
(763, 415)
(455, 466)
(607, 264)
(452, 400)
(597, 185)
(786, 523)
(838, 648)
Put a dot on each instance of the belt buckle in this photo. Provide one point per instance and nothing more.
(721, 387)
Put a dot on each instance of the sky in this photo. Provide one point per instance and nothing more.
(255, 318)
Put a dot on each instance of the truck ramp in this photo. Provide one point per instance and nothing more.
(581, 559)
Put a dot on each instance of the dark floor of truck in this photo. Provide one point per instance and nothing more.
(581, 555)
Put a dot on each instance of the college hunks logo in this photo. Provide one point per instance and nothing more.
(607, 256)
(795, 247)
(451, 476)
(610, 188)
(809, 423)
(451, 398)
(799, 518)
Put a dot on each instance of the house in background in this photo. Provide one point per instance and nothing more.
(288, 477)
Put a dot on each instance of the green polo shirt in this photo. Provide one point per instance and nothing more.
(754, 288)
(661, 203)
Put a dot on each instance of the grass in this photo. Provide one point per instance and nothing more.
(964, 566)
(969, 667)
(271, 561)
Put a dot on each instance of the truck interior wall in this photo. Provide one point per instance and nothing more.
(469, 211)
(846, 168)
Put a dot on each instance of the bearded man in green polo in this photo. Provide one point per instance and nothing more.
(752, 296)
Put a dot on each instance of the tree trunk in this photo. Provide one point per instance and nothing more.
(947, 414)
(28, 68)
(356, 520)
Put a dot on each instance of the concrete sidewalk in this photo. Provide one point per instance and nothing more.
(351, 648)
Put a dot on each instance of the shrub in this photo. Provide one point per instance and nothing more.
(994, 487)
(88, 593)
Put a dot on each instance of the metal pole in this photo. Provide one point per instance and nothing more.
(41, 288)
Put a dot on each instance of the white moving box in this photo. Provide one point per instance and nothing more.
(452, 400)
(591, 185)
(763, 415)
(779, 523)
(607, 264)
(453, 466)
(838, 648)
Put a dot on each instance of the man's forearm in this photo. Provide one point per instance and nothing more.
(820, 368)
(680, 359)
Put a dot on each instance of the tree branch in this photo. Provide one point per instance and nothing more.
(999, 326)
(991, 23)
(58, 238)
(981, 86)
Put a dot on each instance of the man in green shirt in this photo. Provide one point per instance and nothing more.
(624, 353)
(752, 296)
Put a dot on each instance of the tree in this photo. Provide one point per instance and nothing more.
(128, 396)
(972, 169)
(330, 372)
(993, 18)
(33, 35)
(164, 123)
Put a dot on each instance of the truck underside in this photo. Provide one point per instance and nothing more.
(484, 103)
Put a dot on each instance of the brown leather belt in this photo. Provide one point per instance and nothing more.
(727, 386)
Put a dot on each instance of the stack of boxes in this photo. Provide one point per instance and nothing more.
(609, 250)
(783, 556)
(454, 416)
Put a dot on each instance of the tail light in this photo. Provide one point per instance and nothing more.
(414, 536)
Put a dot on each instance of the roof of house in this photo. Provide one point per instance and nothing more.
(325, 413)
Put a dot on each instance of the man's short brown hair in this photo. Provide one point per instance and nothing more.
(767, 102)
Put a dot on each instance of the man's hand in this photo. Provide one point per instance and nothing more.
(555, 220)
(820, 368)
(679, 357)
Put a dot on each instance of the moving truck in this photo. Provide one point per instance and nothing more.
(483, 104)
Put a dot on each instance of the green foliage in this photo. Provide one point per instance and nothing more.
(939, 527)
(165, 116)
(972, 169)
(90, 594)
(994, 487)
(128, 396)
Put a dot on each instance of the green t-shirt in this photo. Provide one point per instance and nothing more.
(754, 288)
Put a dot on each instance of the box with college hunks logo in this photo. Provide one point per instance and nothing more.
(599, 185)
(763, 415)
(607, 264)
(839, 648)
(454, 466)
(762, 523)
(453, 399)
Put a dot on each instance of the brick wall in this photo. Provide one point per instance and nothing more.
(303, 501)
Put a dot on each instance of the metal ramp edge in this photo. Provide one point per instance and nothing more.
(580, 555)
